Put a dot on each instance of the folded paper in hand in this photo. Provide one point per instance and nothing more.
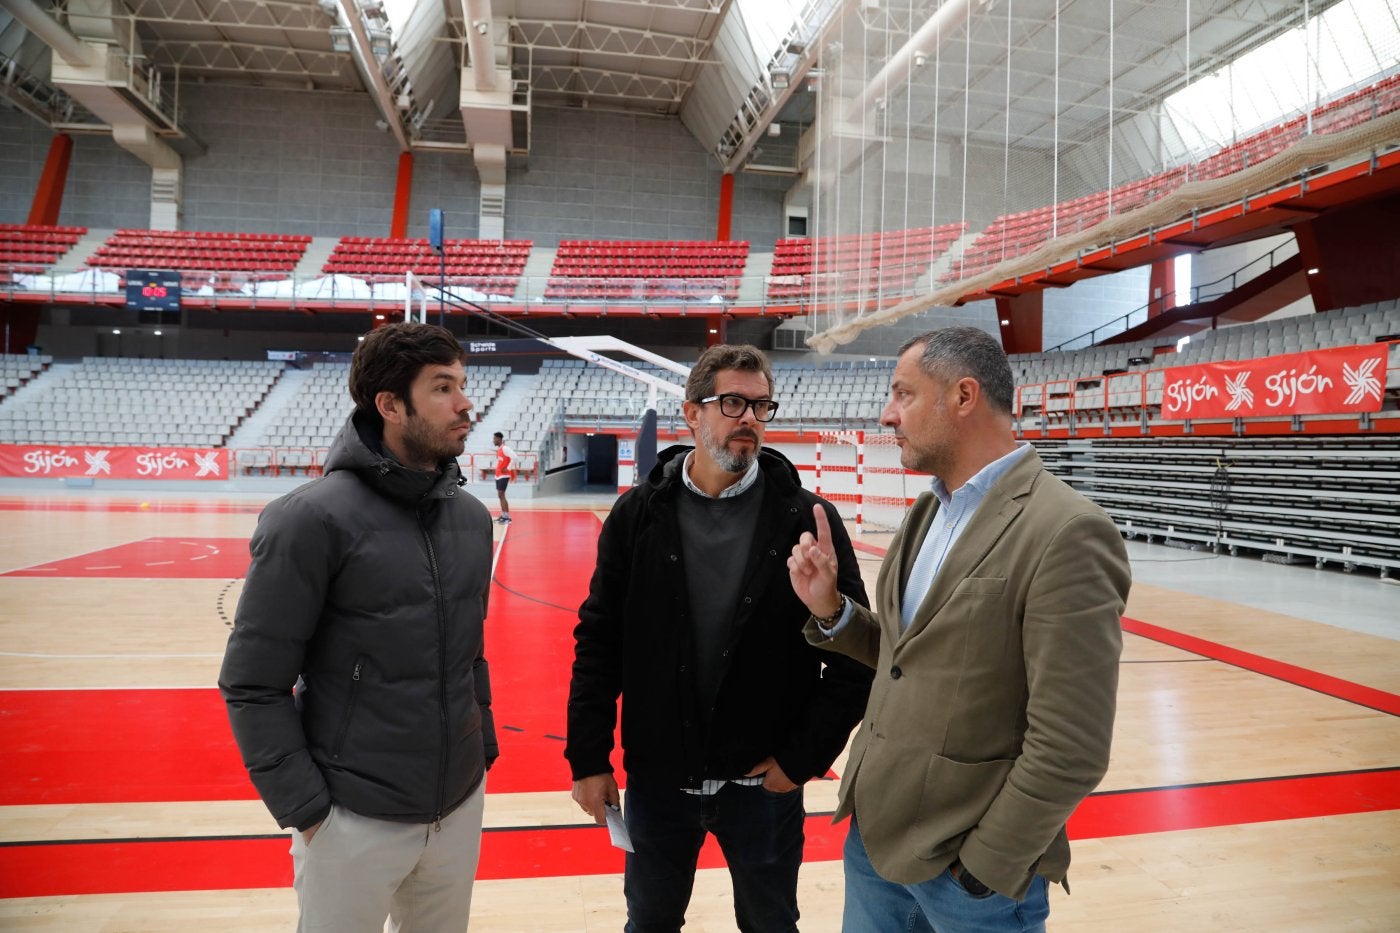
(617, 830)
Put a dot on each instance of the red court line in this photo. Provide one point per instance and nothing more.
(1359, 694)
(1234, 803)
(1352, 692)
(869, 548)
(64, 869)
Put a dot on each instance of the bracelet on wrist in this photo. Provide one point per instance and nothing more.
(829, 621)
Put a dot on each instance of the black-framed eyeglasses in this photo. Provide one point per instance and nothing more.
(732, 406)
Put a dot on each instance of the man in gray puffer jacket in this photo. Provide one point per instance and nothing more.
(355, 676)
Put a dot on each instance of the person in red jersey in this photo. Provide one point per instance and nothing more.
(505, 469)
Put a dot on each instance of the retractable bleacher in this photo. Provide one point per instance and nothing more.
(1317, 500)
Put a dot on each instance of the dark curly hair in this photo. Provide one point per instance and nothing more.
(389, 358)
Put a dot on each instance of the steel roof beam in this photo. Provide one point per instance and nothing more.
(585, 37)
(599, 82)
(270, 14)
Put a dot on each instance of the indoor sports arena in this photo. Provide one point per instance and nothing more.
(1177, 218)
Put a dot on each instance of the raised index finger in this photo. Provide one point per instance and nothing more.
(823, 535)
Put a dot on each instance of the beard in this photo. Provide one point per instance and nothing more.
(423, 444)
(930, 458)
(726, 459)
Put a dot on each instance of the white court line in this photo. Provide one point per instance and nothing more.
(496, 557)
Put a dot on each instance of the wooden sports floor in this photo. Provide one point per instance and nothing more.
(1255, 782)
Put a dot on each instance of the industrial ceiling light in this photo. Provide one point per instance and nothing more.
(340, 39)
(780, 78)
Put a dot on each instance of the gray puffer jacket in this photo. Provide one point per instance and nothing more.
(370, 584)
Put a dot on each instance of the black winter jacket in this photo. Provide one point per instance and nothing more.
(369, 583)
(778, 695)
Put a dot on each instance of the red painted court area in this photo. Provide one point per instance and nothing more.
(541, 579)
(160, 558)
(103, 867)
(114, 746)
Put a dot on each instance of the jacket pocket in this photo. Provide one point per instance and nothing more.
(955, 796)
(981, 586)
(356, 679)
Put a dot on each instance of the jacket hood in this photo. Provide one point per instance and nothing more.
(359, 449)
(773, 464)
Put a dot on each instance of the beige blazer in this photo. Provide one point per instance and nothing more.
(990, 718)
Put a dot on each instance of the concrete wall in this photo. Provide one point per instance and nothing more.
(283, 161)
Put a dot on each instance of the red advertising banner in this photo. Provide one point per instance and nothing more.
(54, 461)
(1318, 382)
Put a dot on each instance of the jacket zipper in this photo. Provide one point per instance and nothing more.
(349, 707)
(442, 673)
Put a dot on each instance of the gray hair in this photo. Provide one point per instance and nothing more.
(953, 353)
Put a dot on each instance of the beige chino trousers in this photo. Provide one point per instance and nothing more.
(357, 871)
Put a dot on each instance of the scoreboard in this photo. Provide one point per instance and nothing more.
(153, 290)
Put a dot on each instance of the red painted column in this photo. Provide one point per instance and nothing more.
(726, 206)
(1021, 320)
(49, 196)
(403, 187)
(1351, 254)
(1161, 287)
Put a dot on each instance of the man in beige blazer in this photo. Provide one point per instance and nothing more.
(995, 638)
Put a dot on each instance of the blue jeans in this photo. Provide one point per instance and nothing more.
(874, 905)
(760, 833)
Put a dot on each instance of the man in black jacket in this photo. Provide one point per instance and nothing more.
(691, 619)
(367, 592)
